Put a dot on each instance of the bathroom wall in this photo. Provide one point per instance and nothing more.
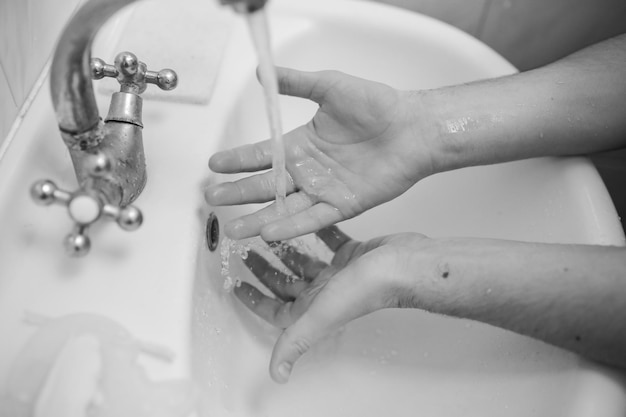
(28, 32)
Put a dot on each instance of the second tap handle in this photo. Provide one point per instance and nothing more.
(132, 74)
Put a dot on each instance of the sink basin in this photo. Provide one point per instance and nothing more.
(162, 288)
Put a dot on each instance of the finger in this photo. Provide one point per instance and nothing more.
(303, 265)
(251, 224)
(258, 188)
(297, 339)
(273, 311)
(305, 221)
(284, 286)
(310, 85)
(345, 297)
(246, 158)
(333, 237)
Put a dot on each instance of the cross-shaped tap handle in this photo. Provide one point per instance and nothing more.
(132, 74)
(85, 207)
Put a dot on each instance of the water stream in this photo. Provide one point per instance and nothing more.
(257, 22)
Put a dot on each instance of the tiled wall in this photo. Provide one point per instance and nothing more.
(28, 32)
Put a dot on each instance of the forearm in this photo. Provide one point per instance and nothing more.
(575, 106)
(572, 296)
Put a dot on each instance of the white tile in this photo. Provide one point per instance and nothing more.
(8, 108)
(46, 21)
(28, 33)
(14, 53)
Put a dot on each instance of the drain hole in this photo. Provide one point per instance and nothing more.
(212, 232)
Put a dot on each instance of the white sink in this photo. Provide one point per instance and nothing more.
(165, 287)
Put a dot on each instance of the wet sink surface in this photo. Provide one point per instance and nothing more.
(165, 287)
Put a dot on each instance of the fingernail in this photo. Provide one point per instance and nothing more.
(212, 194)
(284, 370)
(221, 160)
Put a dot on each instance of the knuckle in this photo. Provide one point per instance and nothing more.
(301, 345)
(283, 316)
(297, 343)
(240, 192)
(267, 183)
(259, 153)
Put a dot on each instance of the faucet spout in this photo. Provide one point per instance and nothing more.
(81, 127)
(71, 86)
(108, 156)
(70, 75)
(75, 105)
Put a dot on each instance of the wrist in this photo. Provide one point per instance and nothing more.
(431, 121)
(449, 126)
(417, 135)
(416, 267)
(450, 275)
(473, 124)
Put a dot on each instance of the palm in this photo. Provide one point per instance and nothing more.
(294, 294)
(356, 152)
(342, 158)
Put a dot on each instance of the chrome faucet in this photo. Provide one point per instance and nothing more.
(108, 157)
(245, 6)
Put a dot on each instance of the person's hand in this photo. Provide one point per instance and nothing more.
(363, 277)
(364, 146)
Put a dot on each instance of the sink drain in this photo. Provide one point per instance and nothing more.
(212, 232)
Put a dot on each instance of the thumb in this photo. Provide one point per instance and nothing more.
(294, 342)
(352, 292)
(330, 310)
(324, 314)
(309, 85)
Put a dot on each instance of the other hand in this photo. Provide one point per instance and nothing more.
(363, 277)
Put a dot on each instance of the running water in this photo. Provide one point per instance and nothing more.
(257, 22)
